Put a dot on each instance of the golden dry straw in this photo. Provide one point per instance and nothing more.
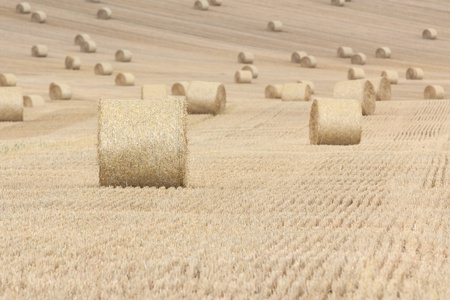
(296, 92)
(11, 104)
(297, 56)
(252, 69)
(335, 122)
(81, 38)
(358, 59)
(38, 17)
(125, 79)
(72, 62)
(33, 101)
(60, 91)
(104, 13)
(361, 90)
(215, 2)
(273, 91)
(308, 82)
(276, 26)
(355, 73)
(391, 75)
(429, 34)
(23, 8)
(434, 92)
(39, 50)
(103, 69)
(180, 88)
(245, 58)
(344, 52)
(382, 88)
(243, 76)
(8, 79)
(201, 5)
(414, 73)
(337, 2)
(308, 61)
(142, 143)
(88, 46)
(123, 55)
(383, 52)
(206, 98)
(153, 91)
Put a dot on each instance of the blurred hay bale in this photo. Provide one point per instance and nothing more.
(355, 73)
(23, 8)
(307, 82)
(180, 88)
(72, 62)
(337, 2)
(81, 38)
(8, 79)
(152, 91)
(125, 79)
(38, 17)
(104, 13)
(88, 46)
(11, 104)
(273, 91)
(243, 76)
(245, 58)
(383, 52)
(434, 92)
(215, 2)
(206, 98)
(201, 5)
(296, 92)
(391, 75)
(252, 69)
(123, 55)
(103, 69)
(297, 56)
(358, 59)
(39, 50)
(361, 90)
(344, 52)
(60, 91)
(33, 101)
(429, 34)
(308, 61)
(276, 26)
(382, 88)
(414, 73)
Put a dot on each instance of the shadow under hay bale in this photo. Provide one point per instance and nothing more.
(361, 90)
(11, 104)
(206, 98)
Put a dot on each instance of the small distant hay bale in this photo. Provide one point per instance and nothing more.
(142, 143)
(94, 1)
(361, 90)
(104, 13)
(11, 104)
(33, 101)
(414, 73)
(243, 76)
(308, 61)
(60, 91)
(206, 98)
(297, 56)
(335, 122)
(72, 62)
(8, 79)
(434, 92)
(337, 2)
(81, 38)
(296, 92)
(245, 58)
(383, 52)
(38, 17)
(344, 52)
(88, 46)
(429, 34)
(153, 91)
(103, 69)
(358, 59)
(273, 91)
(125, 79)
(307, 82)
(252, 69)
(123, 55)
(355, 73)
(276, 26)
(382, 88)
(201, 5)
(39, 50)
(215, 2)
(180, 88)
(23, 8)
(391, 75)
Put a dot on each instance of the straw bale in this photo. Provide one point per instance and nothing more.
(125, 79)
(275, 26)
(39, 51)
(180, 88)
(38, 17)
(206, 98)
(11, 104)
(296, 92)
(245, 58)
(310, 83)
(33, 101)
(297, 56)
(382, 88)
(243, 76)
(356, 73)
(104, 13)
(391, 75)
(383, 52)
(361, 90)
(337, 2)
(358, 59)
(103, 69)
(429, 34)
(252, 69)
(273, 91)
(88, 46)
(142, 143)
(434, 92)
(60, 91)
(308, 61)
(414, 73)
(201, 5)
(335, 122)
(94, 1)
(344, 52)
(152, 91)
(81, 38)
(23, 8)
(123, 55)
(215, 2)
(72, 62)
(8, 79)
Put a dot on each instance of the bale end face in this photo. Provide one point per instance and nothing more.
(103, 69)
(414, 74)
(123, 55)
(11, 104)
(88, 46)
(72, 62)
(383, 52)
(308, 62)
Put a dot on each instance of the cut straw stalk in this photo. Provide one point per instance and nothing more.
(11, 104)
(361, 90)
(206, 98)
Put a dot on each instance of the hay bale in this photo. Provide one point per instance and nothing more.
(11, 104)
(307, 82)
(201, 5)
(296, 92)
(243, 76)
(344, 52)
(153, 91)
(276, 26)
(180, 88)
(273, 91)
(60, 91)
(23, 8)
(142, 143)
(308, 61)
(414, 73)
(358, 59)
(335, 122)
(8, 79)
(245, 58)
(104, 13)
(72, 62)
(94, 1)
(215, 2)
(361, 90)
(206, 98)
(297, 56)
(434, 92)
(88, 46)
(391, 75)
(33, 101)
(252, 69)
(123, 55)
(337, 2)
(125, 79)
(355, 73)
(39, 51)
(383, 52)
(38, 17)
(382, 88)
(429, 34)
(103, 69)
(81, 38)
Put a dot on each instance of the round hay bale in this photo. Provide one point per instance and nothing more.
(94, 1)
(358, 59)
(361, 90)
(276, 26)
(142, 143)
(382, 88)
(60, 91)
(429, 34)
(344, 52)
(39, 51)
(81, 38)
(252, 69)
(434, 92)
(307, 82)
(103, 69)
(206, 98)
(11, 104)
(243, 76)
(245, 58)
(296, 92)
(308, 61)
(337, 2)
(335, 122)
(125, 79)
(180, 88)
(297, 56)
(104, 13)
(33, 101)
(391, 75)
(123, 55)
(414, 73)
(72, 62)
(23, 8)
(215, 2)
(153, 91)
(88, 46)
(273, 91)
(383, 52)
(201, 5)
(355, 73)
(8, 79)
(38, 17)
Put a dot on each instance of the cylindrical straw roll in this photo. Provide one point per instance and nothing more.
(307, 82)
(8, 79)
(201, 5)
(355, 73)
(273, 91)
(38, 17)
(72, 62)
(215, 2)
(434, 92)
(414, 73)
(243, 76)
(39, 51)
(23, 8)
(358, 59)
(429, 34)
(60, 91)
(142, 143)
(344, 52)
(103, 69)
(33, 101)
(153, 91)
(361, 90)
(252, 69)
(297, 56)
(245, 58)
(296, 92)
(104, 13)
(11, 104)
(391, 75)
(335, 122)
(206, 98)
(308, 61)
(383, 52)
(125, 79)
(88, 46)
(382, 88)
(81, 38)
(123, 55)
(180, 88)
(275, 26)
(337, 2)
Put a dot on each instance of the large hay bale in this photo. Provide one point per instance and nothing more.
(245, 58)
(33, 101)
(429, 34)
(358, 59)
(88, 46)
(72, 62)
(391, 75)
(307, 82)
(273, 91)
(206, 98)
(243, 76)
(215, 2)
(361, 90)
(39, 51)
(276, 26)
(38, 17)
(123, 55)
(308, 61)
(180, 88)
(142, 143)
(337, 2)
(11, 104)
(297, 56)
(383, 52)
(335, 122)
(60, 91)
(125, 79)
(23, 8)
(382, 88)
(81, 38)
(104, 13)
(344, 52)
(355, 73)
(252, 69)
(103, 69)
(152, 91)
(201, 5)
(8, 79)
(434, 92)
(414, 73)
(296, 92)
